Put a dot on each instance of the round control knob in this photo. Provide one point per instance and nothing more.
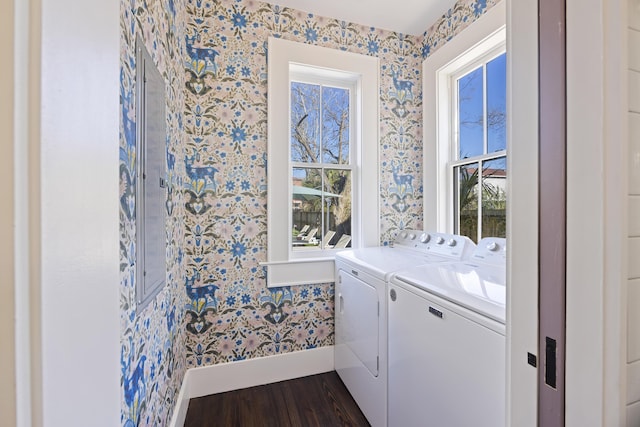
(412, 236)
(440, 240)
(493, 246)
(425, 237)
(403, 235)
(452, 242)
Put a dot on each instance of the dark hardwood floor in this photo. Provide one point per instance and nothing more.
(319, 400)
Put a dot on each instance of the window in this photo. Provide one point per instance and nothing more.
(478, 164)
(465, 131)
(150, 179)
(321, 166)
(322, 161)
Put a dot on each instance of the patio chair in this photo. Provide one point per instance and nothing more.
(342, 242)
(309, 236)
(303, 232)
(327, 238)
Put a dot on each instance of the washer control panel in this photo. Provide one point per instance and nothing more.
(443, 244)
(491, 250)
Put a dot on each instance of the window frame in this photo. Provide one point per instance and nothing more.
(311, 75)
(485, 36)
(284, 267)
(480, 57)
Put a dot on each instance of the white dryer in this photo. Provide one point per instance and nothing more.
(361, 310)
(447, 342)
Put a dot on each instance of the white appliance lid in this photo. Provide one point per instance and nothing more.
(380, 261)
(477, 287)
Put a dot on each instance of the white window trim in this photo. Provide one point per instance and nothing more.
(487, 33)
(285, 268)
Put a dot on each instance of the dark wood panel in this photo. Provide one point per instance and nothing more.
(552, 212)
(318, 400)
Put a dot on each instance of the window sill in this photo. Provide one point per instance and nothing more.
(302, 271)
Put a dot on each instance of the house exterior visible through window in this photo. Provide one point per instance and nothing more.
(321, 167)
(478, 166)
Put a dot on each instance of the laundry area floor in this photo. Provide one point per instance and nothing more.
(319, 400)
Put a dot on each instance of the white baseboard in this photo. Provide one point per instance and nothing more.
(214, 379)
(182, 403)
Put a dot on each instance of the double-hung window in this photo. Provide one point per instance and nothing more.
(322, 164)
(321, 131)
(478, 165)
(465, 141)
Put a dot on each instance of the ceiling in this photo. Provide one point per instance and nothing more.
(403, 16)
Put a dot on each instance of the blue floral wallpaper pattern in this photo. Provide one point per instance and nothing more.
(216, 307)
(153, 353)
(232, 315)
(459, 17)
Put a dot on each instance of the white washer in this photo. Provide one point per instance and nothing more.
(361, 314)
(447, 342)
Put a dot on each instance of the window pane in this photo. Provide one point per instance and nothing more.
(470, 116)
(321, 208)
(494, 198)
(335, 125)
(496, 103)
(305, 122)
(337, 200)
(466, 185)
(306, 207)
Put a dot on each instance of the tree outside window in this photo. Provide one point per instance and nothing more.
(321, 163)
(479, 166)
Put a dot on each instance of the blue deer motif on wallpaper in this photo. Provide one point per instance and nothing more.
(401, 187)
(202, 58)
(202, 302)
(401, 93)
(200, 181)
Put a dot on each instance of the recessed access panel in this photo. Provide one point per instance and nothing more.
(151, 191)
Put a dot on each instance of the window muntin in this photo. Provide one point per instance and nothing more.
(478, 161)
(320, 158)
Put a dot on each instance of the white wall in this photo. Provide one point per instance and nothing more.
(633, 283)
(585, 210)
(522, 215)
(79, 211)
(595, 213)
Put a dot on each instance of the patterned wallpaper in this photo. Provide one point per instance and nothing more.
(459, 17)
(217, 307)
(233, 315)
(152, 354)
